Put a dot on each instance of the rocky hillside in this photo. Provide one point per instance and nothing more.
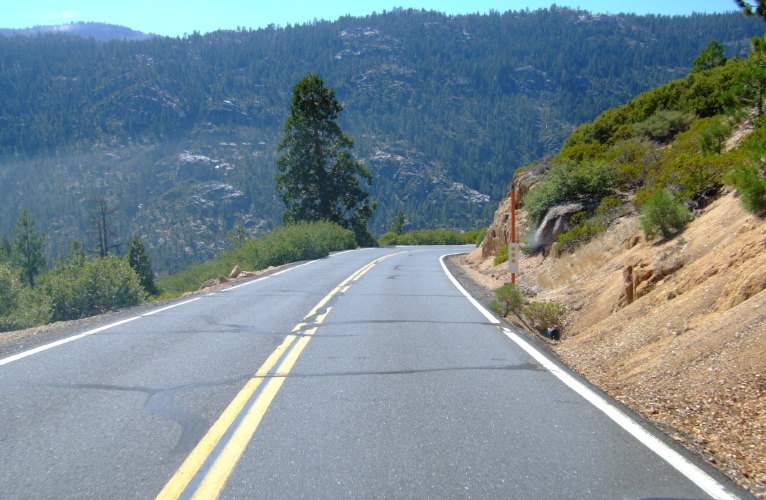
(676, 329)
(649, 228)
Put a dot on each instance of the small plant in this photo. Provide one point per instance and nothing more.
(713, 137)
(663, 214)
(579, 235)
(749, 181)
(509, 300)
(527, 249)
(608, 203)
(501, 255)
(545, 314)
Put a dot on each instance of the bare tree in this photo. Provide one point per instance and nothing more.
(102, 232)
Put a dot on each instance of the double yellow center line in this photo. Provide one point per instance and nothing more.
(206, 470)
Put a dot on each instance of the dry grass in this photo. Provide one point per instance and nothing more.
(588, 259)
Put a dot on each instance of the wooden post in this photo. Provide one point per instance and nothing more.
(513, 249)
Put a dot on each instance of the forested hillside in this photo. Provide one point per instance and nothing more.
(179, 134)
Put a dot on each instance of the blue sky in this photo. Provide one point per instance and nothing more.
(176, 17)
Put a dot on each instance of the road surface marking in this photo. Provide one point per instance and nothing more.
(45, 347)
(675, 459)
(207, 468)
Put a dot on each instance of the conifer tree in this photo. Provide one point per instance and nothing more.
(28, 248)
(141, 262)
(711, 57)
(397, 227)
(6, 249)
(319, 179)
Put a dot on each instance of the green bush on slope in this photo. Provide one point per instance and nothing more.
(568, 181)
(663, 215)
(292, 243)
(748, 174)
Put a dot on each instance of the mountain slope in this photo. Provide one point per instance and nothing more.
(99, 31)
(180, 134)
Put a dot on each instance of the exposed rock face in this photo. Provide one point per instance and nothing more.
(641, 278)
(524, 181)
(556, 222)
(499, 232)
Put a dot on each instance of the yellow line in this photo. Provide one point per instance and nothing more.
(216, 477)
(194, 461)
(223, 467)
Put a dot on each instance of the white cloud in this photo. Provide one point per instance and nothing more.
(68, 14)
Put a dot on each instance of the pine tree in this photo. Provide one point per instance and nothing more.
(28, 248)
(397, 227)
(6, 249)
(141, 262)
(711, 57)
(320, 179)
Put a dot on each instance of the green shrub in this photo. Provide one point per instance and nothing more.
(96, 286)
(429, 237)
(480, 237)
(388, 239)
(580, 152)
(545, 314)
(704, 94)
(568, 182)
(20, 305)
(501, 255)
(748, 174)
(585, 229)
(609, 203)
(680, 166)
(749, 180)
(579, 235)
(664, 125)
(508, 300)
(713, 137)
(473, 237)
(663, 214)
(292, 243)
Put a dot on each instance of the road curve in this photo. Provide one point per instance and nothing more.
(365, 374)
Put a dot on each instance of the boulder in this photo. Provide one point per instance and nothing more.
(556, 222)
(234, 274)
(209, 283)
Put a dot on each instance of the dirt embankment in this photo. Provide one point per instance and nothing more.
(676, 329)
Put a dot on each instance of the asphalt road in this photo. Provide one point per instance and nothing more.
(368, 374)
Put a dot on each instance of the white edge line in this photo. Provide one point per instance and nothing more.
(36, 350)
(45, 347)
(267, 277)
(168, 307)
(675, 459)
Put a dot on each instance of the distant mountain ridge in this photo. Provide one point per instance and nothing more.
(99, 31)
(180, 133)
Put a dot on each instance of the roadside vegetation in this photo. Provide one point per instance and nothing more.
(293, 243)
(664, 154)
(541, 315)
(396, 235)
(81, 285)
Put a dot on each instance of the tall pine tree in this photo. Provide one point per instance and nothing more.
(319, 179)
